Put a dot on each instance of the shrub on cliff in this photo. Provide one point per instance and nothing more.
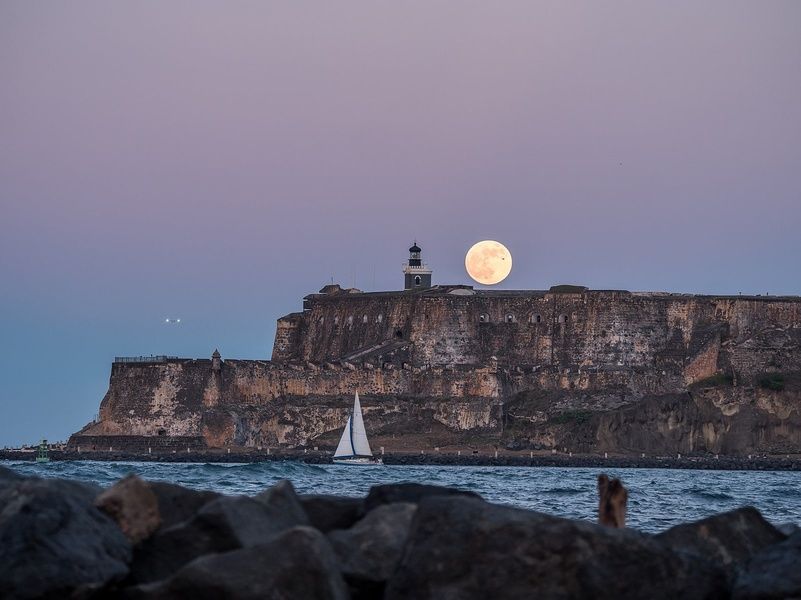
(772, 381)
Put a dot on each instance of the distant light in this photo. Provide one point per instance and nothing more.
(179, 320)
(166, 320)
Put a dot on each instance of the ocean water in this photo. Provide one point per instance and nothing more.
(658, 498)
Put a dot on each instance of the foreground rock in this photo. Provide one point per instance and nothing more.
(465, 548)
(369, 551)
(177, 503)
(433, 543)
(53, 539)
(297, 563)
(773, 573)
(730, 538)
(133, 506)
(226, 523)
(327, 513)
(409, 492)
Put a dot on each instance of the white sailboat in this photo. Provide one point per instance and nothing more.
(353, 448)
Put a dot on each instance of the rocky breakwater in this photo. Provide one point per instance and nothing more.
(147, 540)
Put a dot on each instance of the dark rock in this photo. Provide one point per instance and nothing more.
(227, 523)
(369, 551)
(133, 506)
(177, 503)
(464, 548)
(408, 492)
(53, 540)
(283, 503)
(332, 512)
(773, 573)
(7, 475)
(729, 538)
(297, 563)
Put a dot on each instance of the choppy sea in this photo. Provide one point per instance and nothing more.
(658, 498)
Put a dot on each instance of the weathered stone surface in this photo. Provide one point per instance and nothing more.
(7, 476)
(730, 538)
(328, 512)
(224, 524)
(590, 371)
(297, 563)
(369, 551)
(408, 492)
(177, 503)
(772, 574)
(466, 548)
(131, 503)
(283, 503)
(53, 540)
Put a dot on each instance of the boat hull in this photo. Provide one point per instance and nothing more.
(358, 461)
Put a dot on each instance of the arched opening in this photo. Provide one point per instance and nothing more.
(364, 319)
(417, 280)
(536, 318)
(563, 318)
(483, 318)
(510, 318)
(162, 432)
(379, 318)
(399, 334)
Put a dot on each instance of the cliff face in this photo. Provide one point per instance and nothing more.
(586, 371)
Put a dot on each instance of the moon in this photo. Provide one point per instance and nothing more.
(488, 262)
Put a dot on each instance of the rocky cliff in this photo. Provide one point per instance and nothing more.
(571, 369)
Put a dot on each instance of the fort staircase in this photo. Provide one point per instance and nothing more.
(368, 352)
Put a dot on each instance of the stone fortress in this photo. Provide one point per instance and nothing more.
(566, 369)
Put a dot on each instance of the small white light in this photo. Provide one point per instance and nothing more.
(178, 321)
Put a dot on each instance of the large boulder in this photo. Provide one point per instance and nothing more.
(177, 503)
(369, 551)
(408, 492)
(54, 540)
(327, 513)
(461, 547)
(774, 573)
(9, 476)
(297, 563)
(133, 506)
(227, 523)
(731, 538)
(282, 502)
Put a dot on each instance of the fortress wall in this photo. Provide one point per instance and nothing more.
(615, 373)
(596, 328)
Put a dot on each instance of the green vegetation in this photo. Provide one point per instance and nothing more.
(772, 381)
(579, 417)
(716, 380)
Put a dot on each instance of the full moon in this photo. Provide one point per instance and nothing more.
(488, 262)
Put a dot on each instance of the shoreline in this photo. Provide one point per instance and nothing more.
(722, 463)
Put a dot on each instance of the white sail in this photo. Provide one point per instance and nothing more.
(345, 447)
(361, 447)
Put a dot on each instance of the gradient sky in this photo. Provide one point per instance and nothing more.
(216, 161)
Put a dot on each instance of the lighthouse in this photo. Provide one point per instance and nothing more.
(416, 275)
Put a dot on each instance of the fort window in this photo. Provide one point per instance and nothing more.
(379, 318)
(336, 320)
(399, 334)
(417, 281)
(350, 321)
(483, 318)
(535, 319)
(364, 319)
(510, 318)
(563, 318)
(162, 432)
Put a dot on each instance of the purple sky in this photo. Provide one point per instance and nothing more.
(216, 161)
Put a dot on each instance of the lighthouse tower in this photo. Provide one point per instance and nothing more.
(415, 274)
